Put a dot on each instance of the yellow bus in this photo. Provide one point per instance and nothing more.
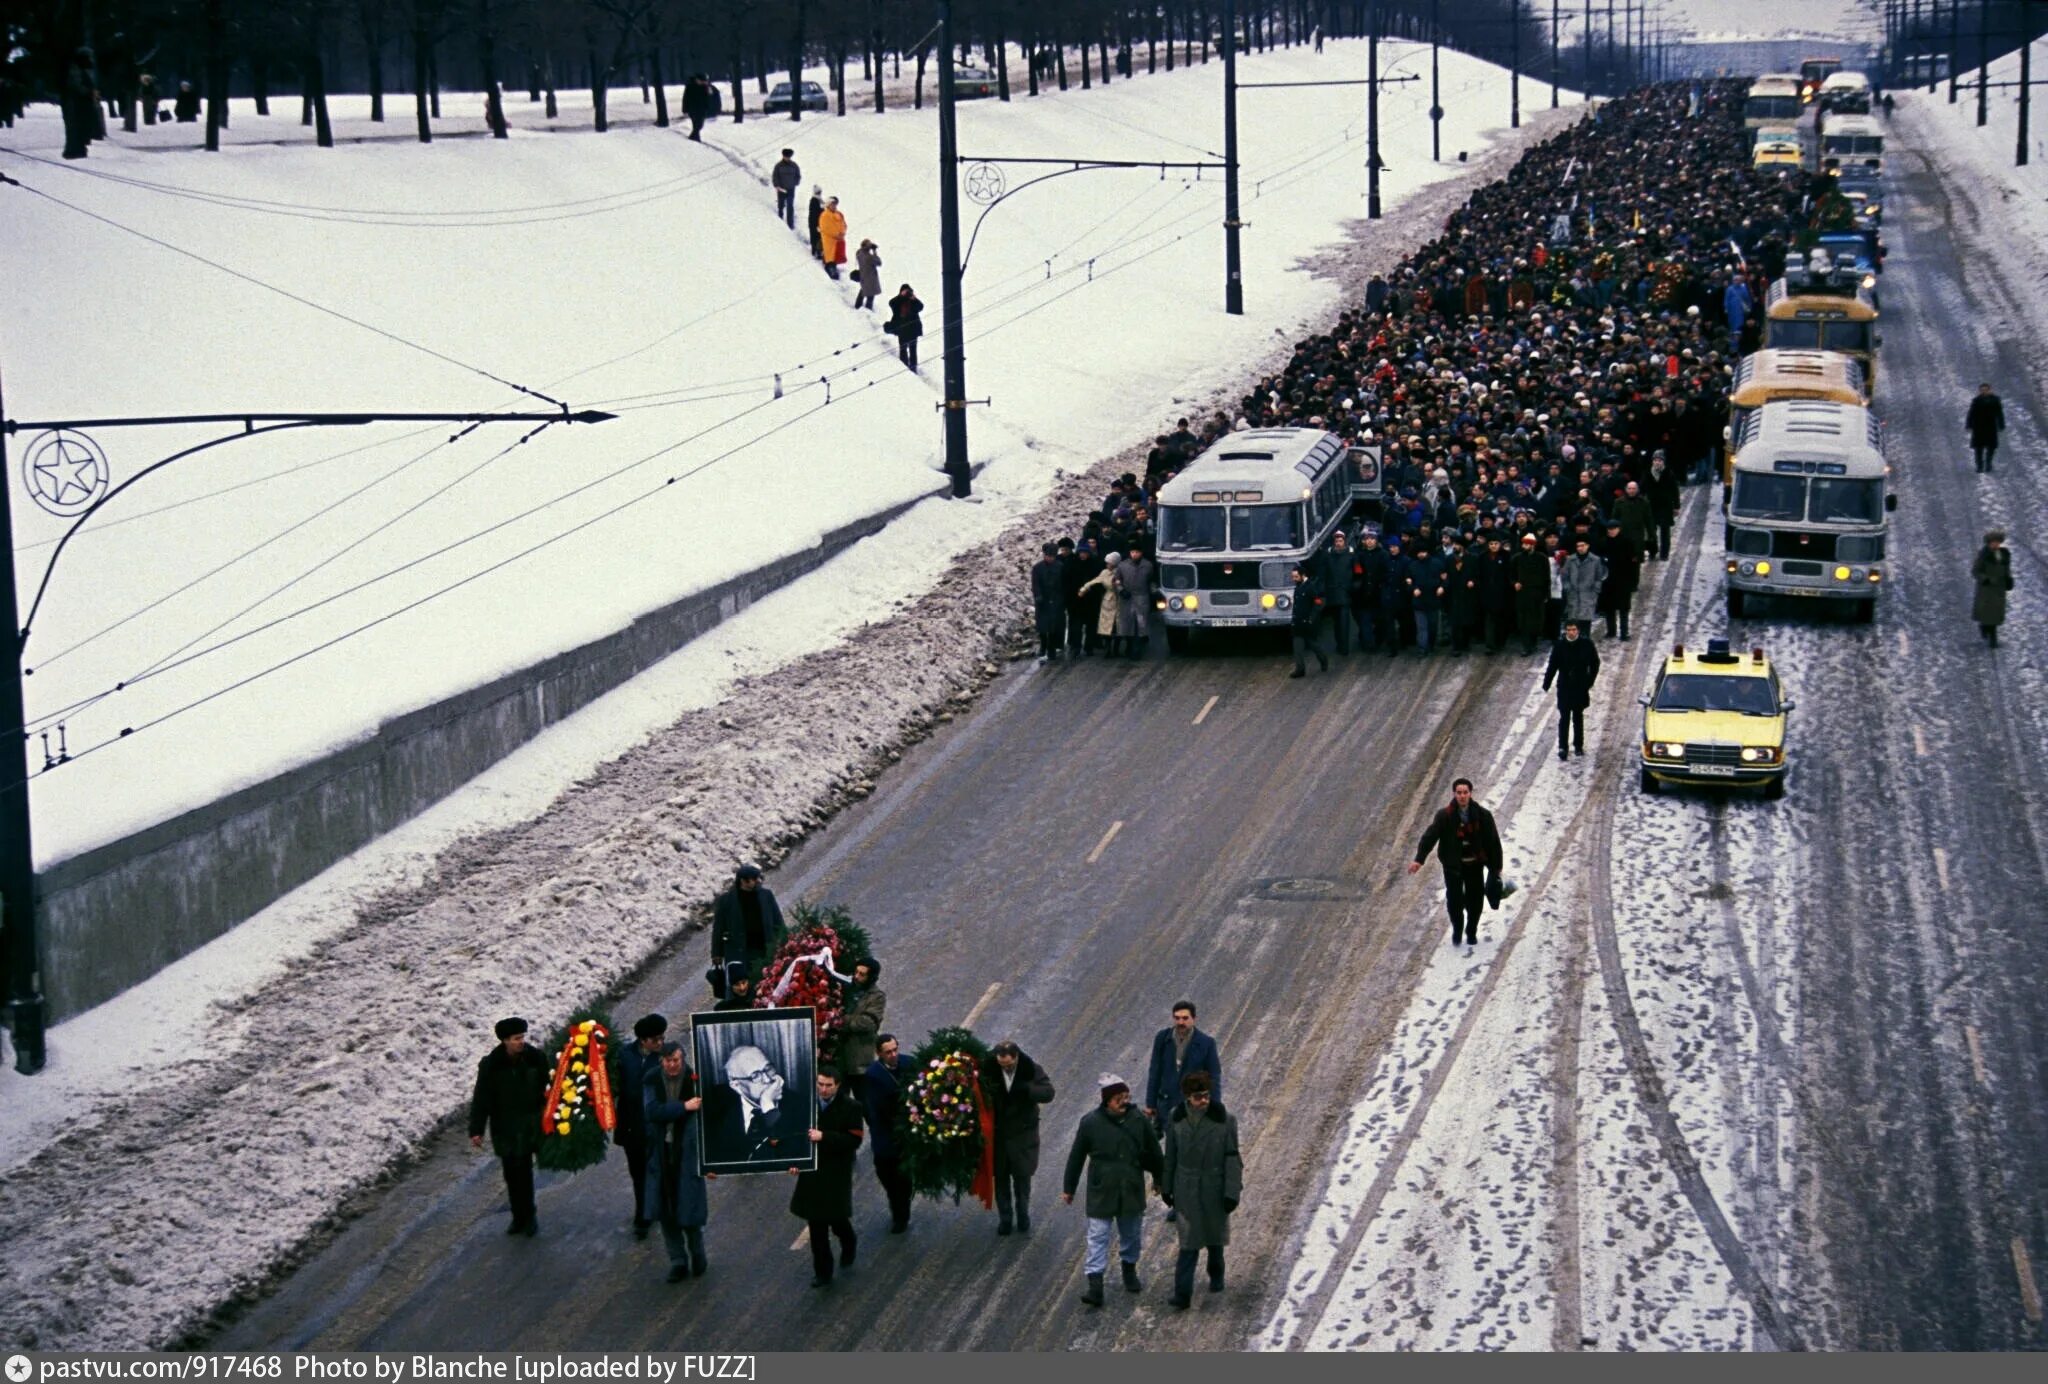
(1769, 375)
(1824, 309)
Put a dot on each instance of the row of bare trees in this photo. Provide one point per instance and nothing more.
(418, 48)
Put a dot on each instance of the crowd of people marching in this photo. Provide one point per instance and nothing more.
(1541, 379)
(1180, 1139)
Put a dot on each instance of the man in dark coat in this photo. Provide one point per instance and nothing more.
(1117, 1147)
(823, 1197)
(1049, 601)
(1984, 421)
(1304, 616)
(700, 102)
(1574, 665)
(906, 324)
(881, 1101)
(1369, 594)
(1334, 565)
(674, 1191)
(80, 104)
(1467, 845)
(815, 211)
(739, 992)
(746, 923)
(630, 1131)
(1991, 576)
(1624, 574)
(1463, 600)
(1203, 1182)
(511, 1089)
(1662, 490)
(1177, 1050)
(1532, 591)
(1077, 570)
(786, 177)
(1015, 1086)
(1497, 594)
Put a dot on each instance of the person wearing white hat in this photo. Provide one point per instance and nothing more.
(1118, 1148)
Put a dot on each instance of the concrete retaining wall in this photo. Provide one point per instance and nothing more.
(118, 914)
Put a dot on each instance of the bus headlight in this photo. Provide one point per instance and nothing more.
(1841, 574)
(1182, 602)
(1268, 601)
(1749, 569)
(1283, 602)
(1857, 574)
(1763, 569)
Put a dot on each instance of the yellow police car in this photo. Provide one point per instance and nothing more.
(1715, 717)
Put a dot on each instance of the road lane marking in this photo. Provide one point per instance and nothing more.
(1919, 742)
(803, 1237)
(2023, 1265)
(1905, 645)
(1976, 1043)
(1941, 866)
(981, 1004)
(1207, 707)
(1103, 844)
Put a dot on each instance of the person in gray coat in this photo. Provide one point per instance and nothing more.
(1049, 602)
(867, 273)
(1203, 1182)
(1333, 569)
(1584, 574)
(1117, 1147)
(1134, 601)
(674, 1188)
(1991, 573)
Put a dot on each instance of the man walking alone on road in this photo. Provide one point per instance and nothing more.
(511, 1089)
(1574, 664)
(1468, 847)
(1985, 421)
(1118, 1149)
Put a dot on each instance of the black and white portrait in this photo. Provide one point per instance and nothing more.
(758, 1069)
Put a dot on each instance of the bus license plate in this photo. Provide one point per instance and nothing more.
(1229, 622)
(1715, 770)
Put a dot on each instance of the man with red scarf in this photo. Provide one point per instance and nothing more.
(1467, 845)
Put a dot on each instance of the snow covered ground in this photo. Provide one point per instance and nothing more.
(222, 1110)
(1722, 21)
(275, 600)
(1930, 123)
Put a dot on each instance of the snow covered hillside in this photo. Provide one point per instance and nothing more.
(276, 599)
(1723, 20)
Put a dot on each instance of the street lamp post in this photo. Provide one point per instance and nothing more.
(1436, 103)
(1372, 115)
(953, 330)
(1554, 73)
(1514, 64)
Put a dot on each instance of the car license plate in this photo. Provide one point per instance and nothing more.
(1715, 770)
(1229, 622)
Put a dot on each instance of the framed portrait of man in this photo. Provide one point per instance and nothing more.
(758, 1073)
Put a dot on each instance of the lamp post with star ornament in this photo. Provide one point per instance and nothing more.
(66, 474)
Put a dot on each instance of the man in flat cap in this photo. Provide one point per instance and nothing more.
(746, 923)
(1118, 1148)
(511, 1089)
(630, 1133)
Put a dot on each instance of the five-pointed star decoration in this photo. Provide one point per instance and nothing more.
(65, 472)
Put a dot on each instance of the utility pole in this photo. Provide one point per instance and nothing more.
(1372, 115)
(26, 1011)
(1983, 62)
(1233, 262)
(1587, 52)
(1611, 58)
(2019, 157)
(1955, 47)
(1933, 68)
(1514, 64)
(1554, 73)
(1436, 103)
(954, 368)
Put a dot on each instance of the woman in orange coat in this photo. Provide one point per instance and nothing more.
(832, 231)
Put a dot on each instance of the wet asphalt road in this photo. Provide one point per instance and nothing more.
(1253, 867)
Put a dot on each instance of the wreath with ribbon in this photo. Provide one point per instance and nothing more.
(948, 1129)
(577, 1120)
(813, 968)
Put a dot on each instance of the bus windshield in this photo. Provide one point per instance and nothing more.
(1760, 496)
(1191, 528)
(1838, 501)
(1264, 528)
(1716, 692)
(1797, 336)
(1784, 108)
(1848, 336)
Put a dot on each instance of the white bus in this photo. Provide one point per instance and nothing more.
(1773, 100)
(1847, 140)
(1238, 518)
(1808, 514)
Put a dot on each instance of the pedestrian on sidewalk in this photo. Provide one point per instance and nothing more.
(817, 211)
(832, 237)
(674, 1189)
(786, 178)
(1048, 602)
(906, 324)
(700, 103)
(1203, 1182)
(1992, 573)
(823, 1196)
(1574, 665)
(1467, 845)
(1118, 1149)
(1304, 619)
(867, 274)
(882, 1103)
(511, 1089)
(630, 1130)
(1984, 421)
(1016, 1087)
